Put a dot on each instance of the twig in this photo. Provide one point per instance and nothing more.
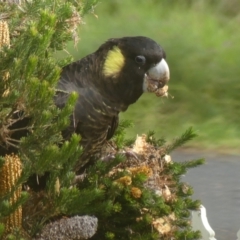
(13, 140)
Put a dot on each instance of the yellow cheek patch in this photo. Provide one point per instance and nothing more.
(114, 63)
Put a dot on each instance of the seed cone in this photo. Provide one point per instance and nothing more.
(4, 41)
(9, 175)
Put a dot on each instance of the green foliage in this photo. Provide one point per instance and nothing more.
(38, 29)
(7, 208)
(157, 142)
(120, 134)
(119, 208)
(188, 135)
(1, 229)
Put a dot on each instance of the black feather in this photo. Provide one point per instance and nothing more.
(101, 98)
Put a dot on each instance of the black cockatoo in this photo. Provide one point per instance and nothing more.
(108, 81)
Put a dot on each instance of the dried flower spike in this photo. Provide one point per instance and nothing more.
(9, 174)
(4, 34)
(4, 40)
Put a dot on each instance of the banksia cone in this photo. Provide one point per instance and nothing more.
(4, 34)
(4, 40)
(9, 174)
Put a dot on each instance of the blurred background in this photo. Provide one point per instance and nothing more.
(202, 42)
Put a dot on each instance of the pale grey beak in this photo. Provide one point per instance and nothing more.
(156, 77)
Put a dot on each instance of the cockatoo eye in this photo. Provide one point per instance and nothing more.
(141, 60)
